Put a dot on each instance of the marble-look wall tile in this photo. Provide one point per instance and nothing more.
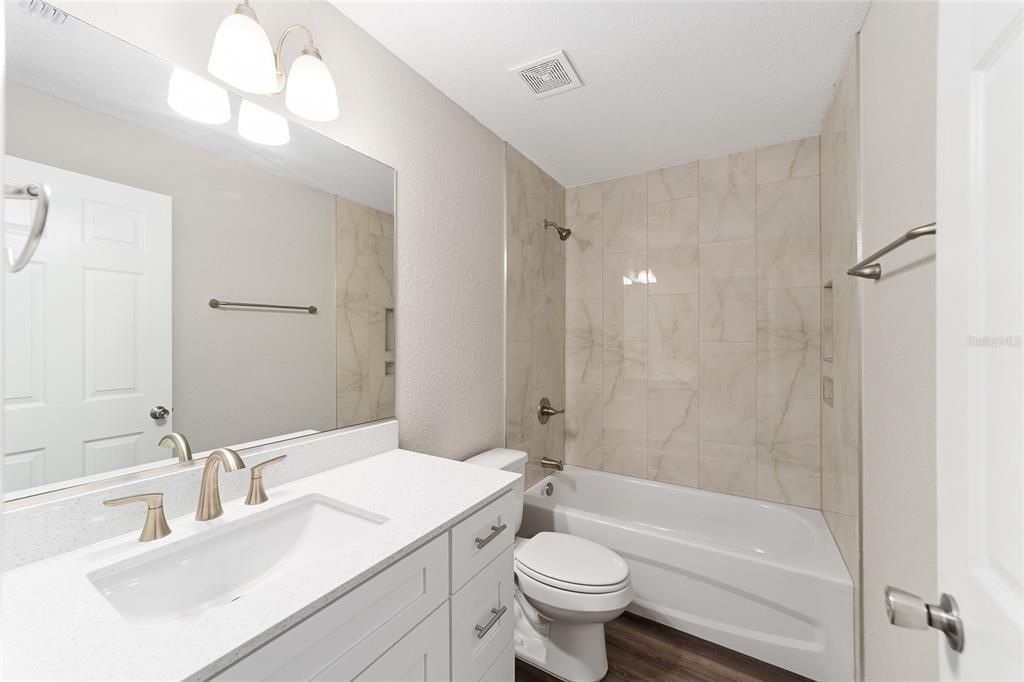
(672, 237)
(352, 324)
(624, 452)
(728, 291)
(788, 234)
(625, 296)
(624, 212)
(584, 343)
(584, 257)
(352, 240)
(726, 468)
(583, 200)
(683, 333)
(672, 341)
(787, 161)
(516, 183)
(353, 383)
(536, 308)
(846, 531)
(519, 418)
(672, 435)
(382, 271)
(583, 425)
(519, 325)
(840, 422)
(625, 386)
(677, 182)
(727, 197)
(788, 450)
(364, 290)
(382, 397)
(728, 390)
(788, 342)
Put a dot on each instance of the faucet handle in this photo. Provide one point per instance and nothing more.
(155, 526)
(257, 494)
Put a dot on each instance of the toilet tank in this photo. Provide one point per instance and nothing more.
(507, 460)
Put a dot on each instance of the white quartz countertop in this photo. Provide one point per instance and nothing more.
(57, 625)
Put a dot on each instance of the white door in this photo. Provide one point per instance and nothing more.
(980, 303)
(87, 329)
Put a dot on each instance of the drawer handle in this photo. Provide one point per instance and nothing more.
(495, 532)
(496, 615)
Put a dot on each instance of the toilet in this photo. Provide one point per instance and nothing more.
(567, 588)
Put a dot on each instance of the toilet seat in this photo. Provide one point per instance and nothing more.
(571, 563)
(579, 607)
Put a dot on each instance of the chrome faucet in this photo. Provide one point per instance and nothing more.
(549, 463)
(209, 491)
(179, 444)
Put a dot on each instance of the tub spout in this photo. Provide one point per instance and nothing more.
(549, 463)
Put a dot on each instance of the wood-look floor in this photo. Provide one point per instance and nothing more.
(640, 650)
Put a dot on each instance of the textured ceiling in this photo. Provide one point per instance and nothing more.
(664, 83)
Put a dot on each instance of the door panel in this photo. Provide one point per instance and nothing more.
(980, 313)
(83, 370)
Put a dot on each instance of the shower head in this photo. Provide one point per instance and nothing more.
(563, 232)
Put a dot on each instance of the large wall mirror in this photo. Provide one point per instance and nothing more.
(113, 335)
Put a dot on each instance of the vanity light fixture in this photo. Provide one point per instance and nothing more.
(197, 98)
(242, 57)
(262, 126)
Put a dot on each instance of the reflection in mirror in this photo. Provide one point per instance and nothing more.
(169, 191)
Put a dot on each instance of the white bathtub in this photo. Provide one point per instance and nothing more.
(761, 578)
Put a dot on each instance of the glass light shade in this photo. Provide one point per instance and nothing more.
(242, 56)
(261, 126)
(197, 98)
(311, 93)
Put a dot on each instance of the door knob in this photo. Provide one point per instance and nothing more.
(159, 413)
(907, 610)
(545, 411)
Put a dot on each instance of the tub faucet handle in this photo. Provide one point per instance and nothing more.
(545, 411)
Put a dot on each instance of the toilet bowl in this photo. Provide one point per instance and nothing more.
(567, 589)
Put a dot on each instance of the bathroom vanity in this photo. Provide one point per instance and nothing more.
(396, 566)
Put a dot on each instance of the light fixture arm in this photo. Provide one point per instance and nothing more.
(308, 49)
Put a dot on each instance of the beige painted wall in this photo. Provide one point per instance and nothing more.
(450, 208)
(898, 72)
(227, 235)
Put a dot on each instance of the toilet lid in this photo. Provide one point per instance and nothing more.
(570, 559)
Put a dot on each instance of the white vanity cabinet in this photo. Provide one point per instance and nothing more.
(444, 612)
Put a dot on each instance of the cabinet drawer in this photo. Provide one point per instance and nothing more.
(351, 632)
(483, 619)
(481, 537)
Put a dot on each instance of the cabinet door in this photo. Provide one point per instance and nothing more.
(420, 656)
(483, 619)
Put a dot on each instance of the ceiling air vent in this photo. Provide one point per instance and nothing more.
(549, 75)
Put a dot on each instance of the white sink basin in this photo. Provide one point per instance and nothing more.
(226, 563)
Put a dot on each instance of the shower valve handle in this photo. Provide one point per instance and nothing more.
(545, 411)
